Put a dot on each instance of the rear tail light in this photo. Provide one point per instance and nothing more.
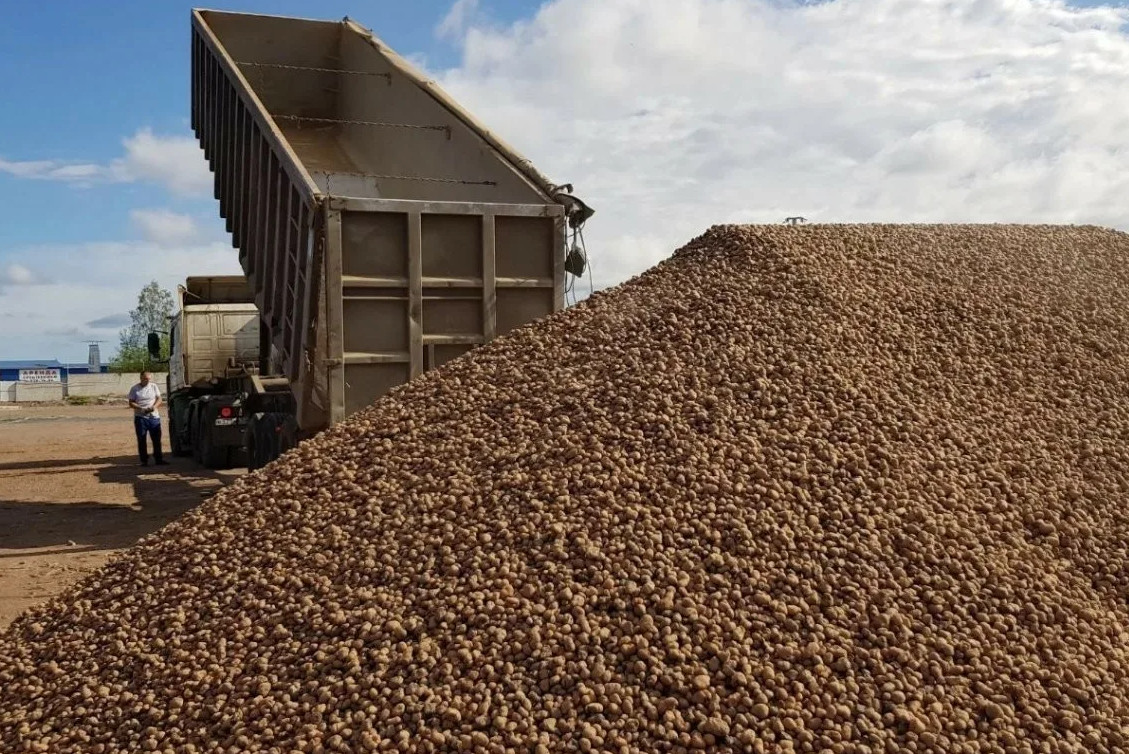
(225, 412)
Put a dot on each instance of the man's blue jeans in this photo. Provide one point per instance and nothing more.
(150, 425)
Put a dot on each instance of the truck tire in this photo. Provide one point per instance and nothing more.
(194, 437)
(269, 435)
(287, 432)
(180, 437)
(213, 456)
(263, 440)
(255, 441)
(174, 439)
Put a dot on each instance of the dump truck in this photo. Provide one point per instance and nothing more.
(381, 228)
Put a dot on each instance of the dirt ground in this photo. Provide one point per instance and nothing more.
(72, 494)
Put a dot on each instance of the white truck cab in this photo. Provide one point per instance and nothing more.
(213, 347)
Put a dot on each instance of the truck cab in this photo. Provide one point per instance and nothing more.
(213, 349)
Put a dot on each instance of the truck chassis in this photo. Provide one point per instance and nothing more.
(245, 420)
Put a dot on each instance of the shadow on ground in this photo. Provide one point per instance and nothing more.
(161, 494)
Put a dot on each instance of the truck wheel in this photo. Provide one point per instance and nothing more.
(255, 442)
(286, 429)
(174, 438)
(266, 439)
(213, 456)
(194, 437)
(180, 426)
(269, 435)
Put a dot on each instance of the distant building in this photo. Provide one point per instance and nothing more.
(94, 358)
(48, 370)
(43, 380)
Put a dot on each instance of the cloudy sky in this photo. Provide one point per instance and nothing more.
(668, 116)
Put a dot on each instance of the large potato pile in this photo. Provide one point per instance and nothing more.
(814, 489)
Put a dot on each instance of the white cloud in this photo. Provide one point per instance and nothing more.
(50, 170)
(110, 322)
(669, 116)
(458, 18)
(165, 227)
(176, 162)
(17, 274)
(89, 280)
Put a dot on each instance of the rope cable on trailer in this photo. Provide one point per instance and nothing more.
(287, 67)
(369, 123)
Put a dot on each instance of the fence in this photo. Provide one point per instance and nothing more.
(76, 386)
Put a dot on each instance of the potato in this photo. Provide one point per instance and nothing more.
(855, 488)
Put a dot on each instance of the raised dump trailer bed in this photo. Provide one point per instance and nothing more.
(382, 229)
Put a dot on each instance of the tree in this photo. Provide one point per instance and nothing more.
(154, 307)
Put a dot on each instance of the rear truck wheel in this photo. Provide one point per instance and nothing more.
(183, 442)
(287, 432)
(211, 455)
(269, 435)
(180, 437)
(174, 439)
(254, 442)
(194, 435)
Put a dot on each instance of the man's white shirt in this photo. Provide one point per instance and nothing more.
(145, 397)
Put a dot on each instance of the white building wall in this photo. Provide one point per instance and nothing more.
(77, 385)
(39, 392)
(107, 385)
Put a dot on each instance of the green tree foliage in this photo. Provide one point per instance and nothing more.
(154, 307)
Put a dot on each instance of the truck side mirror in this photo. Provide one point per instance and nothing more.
(154, 346)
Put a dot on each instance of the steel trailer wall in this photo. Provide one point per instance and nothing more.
(382, 229)
(265, 195)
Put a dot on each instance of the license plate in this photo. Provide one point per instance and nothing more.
(226, 422)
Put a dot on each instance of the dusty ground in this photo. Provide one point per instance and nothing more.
(72, 494)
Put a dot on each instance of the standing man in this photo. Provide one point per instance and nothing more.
(144, 398)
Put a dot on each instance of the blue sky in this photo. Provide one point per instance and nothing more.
(667, 115)
(80, 76)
